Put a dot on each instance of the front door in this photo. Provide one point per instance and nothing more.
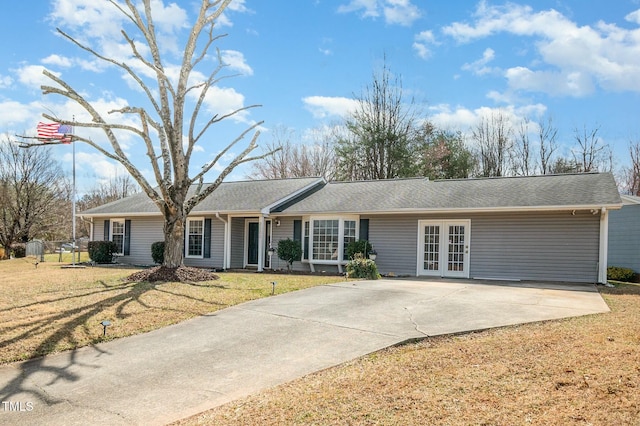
(253, 231)
(444, 248)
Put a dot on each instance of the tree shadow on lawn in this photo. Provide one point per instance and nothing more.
(65, 326)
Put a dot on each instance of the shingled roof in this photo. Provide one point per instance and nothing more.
(286, 196)
(585, 190)
(229, 197)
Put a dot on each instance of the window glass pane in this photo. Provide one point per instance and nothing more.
(349, 236)
(195, 237)
(117, 235)
(325, 239)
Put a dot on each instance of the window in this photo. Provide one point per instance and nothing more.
(349, 236)
(329, 238)
(117, 235)
(195, 237)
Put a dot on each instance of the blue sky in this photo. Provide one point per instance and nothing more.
(577, 61)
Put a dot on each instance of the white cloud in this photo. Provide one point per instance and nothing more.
(400, 12)
(422, 43)
(19, 117)
(31, 76)
(324, 106)
(574, 83)
(395, 12)
(464, 119)
(480, 67)
(224, 100)
(61, 61)
(236, 61)
(575, 58)
(633, 17)
(5, 81)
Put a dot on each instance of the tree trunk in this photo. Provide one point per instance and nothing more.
(174, 240)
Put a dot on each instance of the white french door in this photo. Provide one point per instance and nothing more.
(443, 248)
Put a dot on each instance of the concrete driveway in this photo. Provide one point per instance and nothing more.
(172, 373)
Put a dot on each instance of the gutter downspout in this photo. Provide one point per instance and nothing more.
(604, 245)
(225, 247)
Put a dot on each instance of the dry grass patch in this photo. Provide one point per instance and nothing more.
(579, 371)
(49, 309)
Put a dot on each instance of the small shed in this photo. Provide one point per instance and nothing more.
(624, 234)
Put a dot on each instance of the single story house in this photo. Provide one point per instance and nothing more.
(552, 227)
(624, 234)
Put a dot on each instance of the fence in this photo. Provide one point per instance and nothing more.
(63, 249)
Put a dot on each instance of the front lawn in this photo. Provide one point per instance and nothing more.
(45, 308)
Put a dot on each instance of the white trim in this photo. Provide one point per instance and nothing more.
(604, 243)
(225, 246)
(443, 248)
(267, 210)
(186, 238)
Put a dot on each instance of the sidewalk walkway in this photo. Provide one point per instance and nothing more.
(181, 370)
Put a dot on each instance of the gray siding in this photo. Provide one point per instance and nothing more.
(541, 246)
(526, 246)
(237, 242)
(144, 232)
(282, 232)
(624, 237)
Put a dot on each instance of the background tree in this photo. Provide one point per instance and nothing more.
(444, 155)
(116, 188)
(547, 139)
(292, 159)
(493, 141)
(590, 153)
(522, 152)
(171, 125)
(33, 189)
(380, 133)
(632, 172)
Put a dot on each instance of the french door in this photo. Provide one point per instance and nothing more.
(443, 248)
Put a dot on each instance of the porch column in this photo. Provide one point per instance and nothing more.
(604, 246)
(261, 233)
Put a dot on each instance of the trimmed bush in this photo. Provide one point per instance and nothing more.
(102, 251)
(19, 250)
(360, 246)
(289, 251)
(617, 273)
(359, 267)
(157, 252)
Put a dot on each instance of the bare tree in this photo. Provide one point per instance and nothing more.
(116, 188)
(296, 159)
(547, 134)
(632, 172)
(591, 154)
(493, 137)
(522, 153)
(381, 131)
(33, 191)
(173, 126)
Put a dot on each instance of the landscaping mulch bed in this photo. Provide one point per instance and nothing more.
(164, 274)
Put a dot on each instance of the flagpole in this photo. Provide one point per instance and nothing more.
(73, 198)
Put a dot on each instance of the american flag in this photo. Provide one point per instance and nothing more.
(54, 132)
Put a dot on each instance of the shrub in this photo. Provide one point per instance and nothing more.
(289, 251)
(19, 250)
(102, 251)
(359, 267)
(157, 252)
(617, 273)
(360, 246)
